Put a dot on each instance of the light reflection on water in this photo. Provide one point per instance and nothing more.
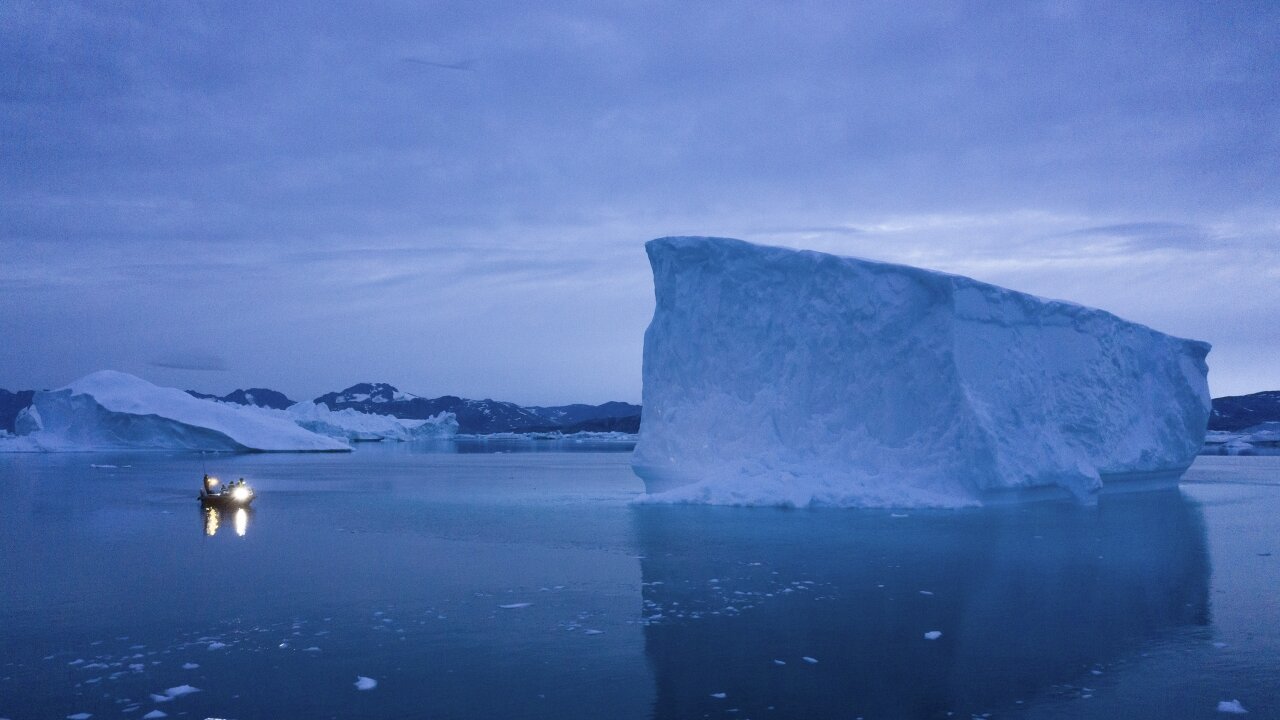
(213, 518)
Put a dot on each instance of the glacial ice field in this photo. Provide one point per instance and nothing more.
(403, 581)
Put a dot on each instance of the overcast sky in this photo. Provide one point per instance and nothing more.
(454, 197)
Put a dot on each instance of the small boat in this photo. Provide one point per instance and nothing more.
(231, 495)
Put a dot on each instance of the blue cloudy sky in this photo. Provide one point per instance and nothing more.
(453, 197)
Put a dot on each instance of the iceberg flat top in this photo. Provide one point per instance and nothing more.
(797, 377)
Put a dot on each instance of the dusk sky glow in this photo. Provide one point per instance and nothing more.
(454, 197)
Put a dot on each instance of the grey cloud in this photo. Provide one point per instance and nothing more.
(1149, 235)
(298, 165)
(201, 362)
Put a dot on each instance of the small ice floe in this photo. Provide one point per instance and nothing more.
(719, 695)
(173, 693)
(592, 632)
(925, 592)
(811, 661)
(779, 662)
(515, 606)
(190, 666)
(898, 515)
(313, 648)
(1231, 706)
(86, 716)
(181, 690)
(155, 714)
(104, 466)
(77, 661)
(365, 683)
(933, 635)
(215, 645)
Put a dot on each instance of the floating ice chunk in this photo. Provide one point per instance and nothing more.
(155, 714)
(365, 683)
(925, 592)
(1231, 706)
(515, 606)
(933, 635)
(217, 645)
(181, 690)
(779, 377)
(173, 693)
(779, 662)
(719, 695)
(313, 648)
(190, 666)
(80, 716)
(592, 632)
(811, 661)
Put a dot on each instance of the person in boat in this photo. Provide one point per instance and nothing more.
(209, 484)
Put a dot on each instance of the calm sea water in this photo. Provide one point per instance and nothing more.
(526, 585)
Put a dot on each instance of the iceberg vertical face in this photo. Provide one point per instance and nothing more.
(775, 376)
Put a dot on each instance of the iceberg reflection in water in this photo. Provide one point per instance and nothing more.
(1031, 601)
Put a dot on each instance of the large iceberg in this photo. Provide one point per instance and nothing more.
(775, 376)
(111, 410)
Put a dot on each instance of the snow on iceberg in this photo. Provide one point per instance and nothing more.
(775, 376)
(110, 410)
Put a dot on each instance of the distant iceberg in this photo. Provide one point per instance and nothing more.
(111, 410)
(356, 426)
(775, 376)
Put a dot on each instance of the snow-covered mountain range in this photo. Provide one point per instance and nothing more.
(1230, 413)
(485, 416)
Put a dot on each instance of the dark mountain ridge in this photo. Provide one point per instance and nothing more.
(1237, 412)
(260, 397)
(481, 416)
